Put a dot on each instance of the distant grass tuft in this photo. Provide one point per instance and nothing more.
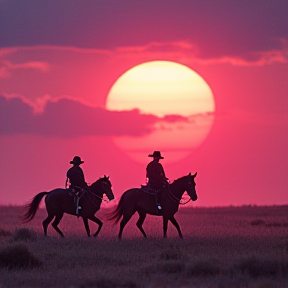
(258, 267)
(258, 222)
(171, 267)
(17, 256)
(4, 233)
(23, 234)
(286, 247)
(172, 254)
(103, 282)
(202, 268)
(166, 268)
(276, 224)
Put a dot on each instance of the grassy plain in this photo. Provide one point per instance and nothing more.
(222, 247)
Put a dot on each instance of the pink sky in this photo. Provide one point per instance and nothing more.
(54, 83)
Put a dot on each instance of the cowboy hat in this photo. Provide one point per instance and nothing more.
(156, 154)
(76, 161)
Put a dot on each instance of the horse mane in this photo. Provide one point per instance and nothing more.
(178, 180)
(100, 180)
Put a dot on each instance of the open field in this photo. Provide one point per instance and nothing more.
(222, 247)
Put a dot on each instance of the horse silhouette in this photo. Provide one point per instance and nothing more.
(135, 200)
(59, 201)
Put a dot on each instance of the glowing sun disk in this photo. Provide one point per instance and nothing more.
(164, 88)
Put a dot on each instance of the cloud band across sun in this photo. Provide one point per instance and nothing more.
(69, 118)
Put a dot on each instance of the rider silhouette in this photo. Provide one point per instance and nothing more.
(76, 179)
(156, 176)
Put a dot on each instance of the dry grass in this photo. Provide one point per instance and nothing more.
(18, 257)
(221, 248)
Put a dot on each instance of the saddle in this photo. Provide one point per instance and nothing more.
(155, 192)
(76, 191)
(148, 189)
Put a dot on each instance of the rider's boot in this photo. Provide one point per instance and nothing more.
(78, 208)
(158, 200)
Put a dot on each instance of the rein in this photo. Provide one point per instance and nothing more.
(107, 201)
(176, 199)
(92, 201)
(185, 202)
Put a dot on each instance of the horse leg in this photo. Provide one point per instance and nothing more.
(175, 223)
(142, 216)
(85, 220)
(123, 222)
(165, 226)
(56, 222)
(46, 222)
(98, 221)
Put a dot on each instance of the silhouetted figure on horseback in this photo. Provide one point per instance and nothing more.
(77, 183)
(59, 201)
(157, 180)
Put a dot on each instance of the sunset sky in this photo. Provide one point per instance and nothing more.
(60, 59)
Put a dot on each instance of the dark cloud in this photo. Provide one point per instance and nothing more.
(68, 118)
(217, 28)
(174, 118)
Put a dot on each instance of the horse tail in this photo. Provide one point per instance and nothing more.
(118, 211)
(32, 207)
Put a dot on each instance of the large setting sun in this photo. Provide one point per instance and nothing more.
(164, 88)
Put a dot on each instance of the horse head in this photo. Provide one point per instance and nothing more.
(103, 186)
(190, 186)
(107, 187)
